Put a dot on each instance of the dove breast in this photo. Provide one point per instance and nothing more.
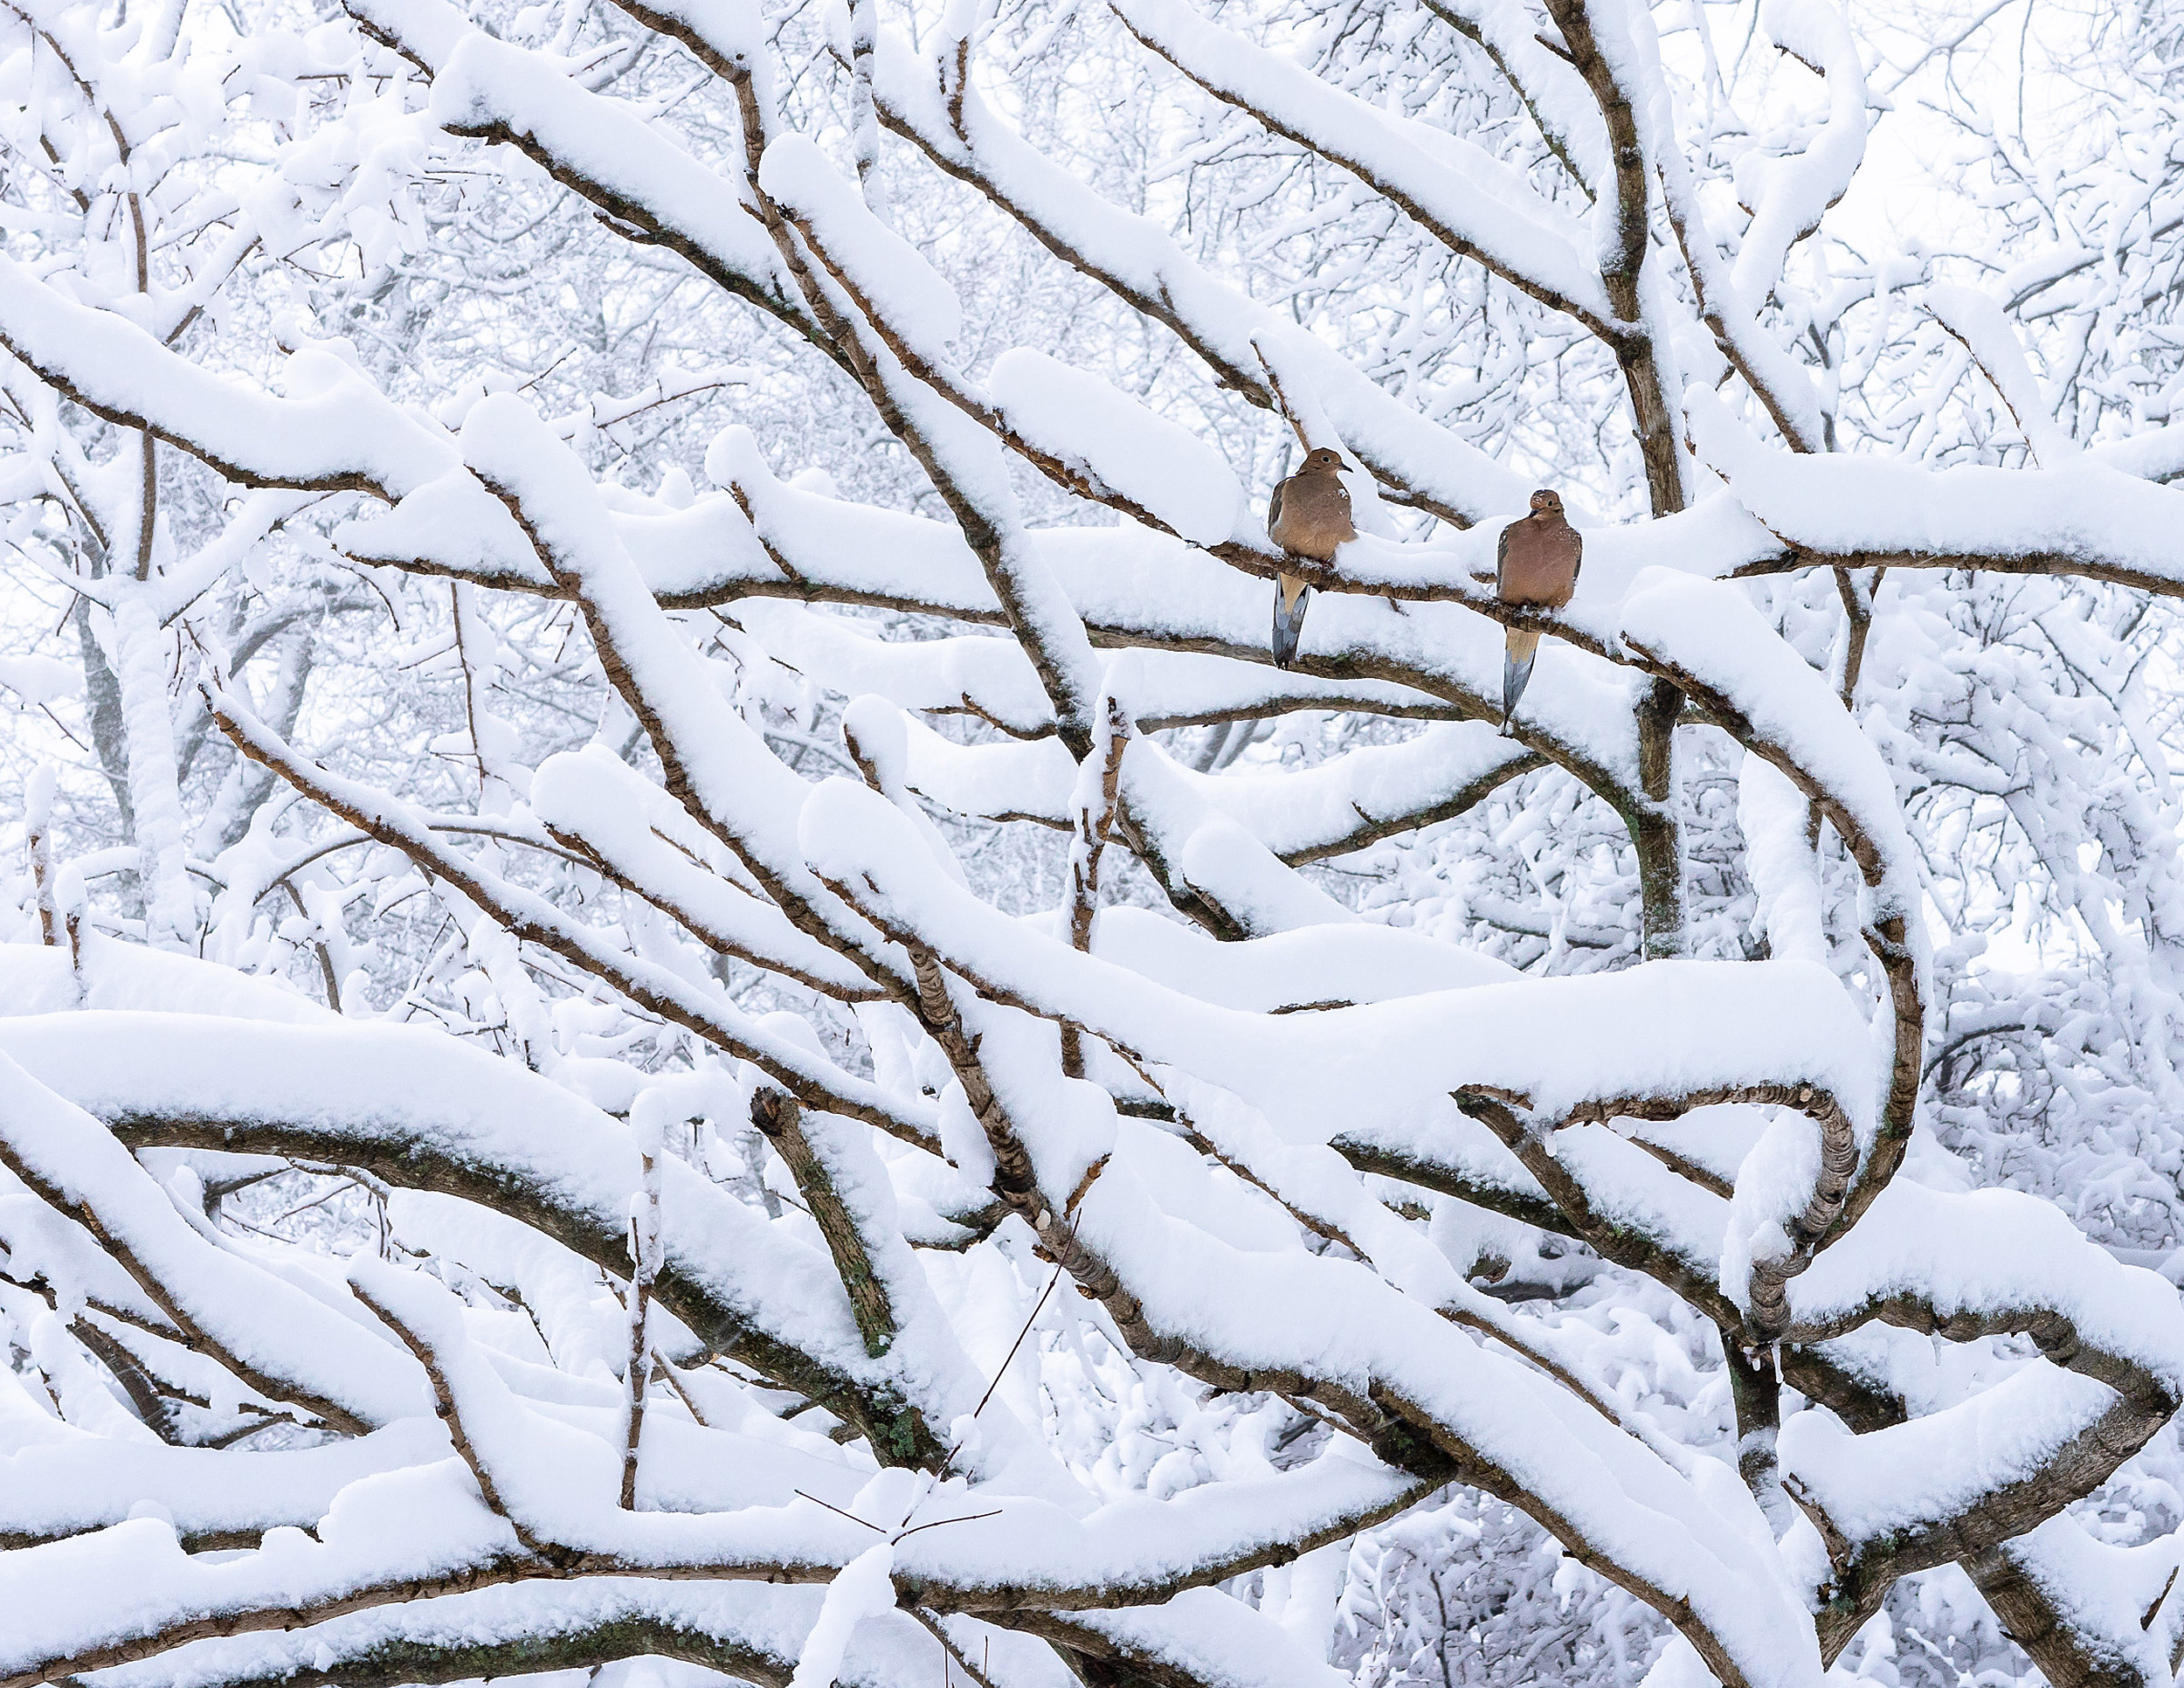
(1539, 562)
(1310, 515)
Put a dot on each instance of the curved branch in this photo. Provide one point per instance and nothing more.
(1863, 1568)
(1624, 248)
(1468, 200)
(1389, 1403)
(1889, 936)
(532, 917)
(1767, 1295)
(411, 1155)
(1693, 1278)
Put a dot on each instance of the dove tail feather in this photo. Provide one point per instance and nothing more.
(1289, 623)
(1517, 671)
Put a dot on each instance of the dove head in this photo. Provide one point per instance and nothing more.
(1546, 502)
(1325, 461)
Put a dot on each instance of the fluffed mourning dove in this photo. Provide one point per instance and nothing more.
(1536, 563)
(1309, 515)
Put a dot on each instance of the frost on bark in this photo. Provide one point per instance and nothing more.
(682, 988)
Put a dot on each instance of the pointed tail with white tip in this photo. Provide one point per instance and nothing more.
(1523, 646)
(1291, 596)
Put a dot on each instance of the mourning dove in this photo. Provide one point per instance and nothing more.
(1536, 563)
(1309, 515)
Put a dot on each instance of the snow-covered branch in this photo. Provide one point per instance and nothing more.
(821, 1072)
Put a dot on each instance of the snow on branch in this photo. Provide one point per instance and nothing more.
(1715, 648)
(1241, 340)
(2083, 518)
(1308, 1073)
(1474, 204)
(1341, 805)
(534, 918)
(445, 1119)
(1086, 1183)
(1275, 1237)
(287, 1346)
(333, 431)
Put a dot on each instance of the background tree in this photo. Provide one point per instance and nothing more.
(686, 998)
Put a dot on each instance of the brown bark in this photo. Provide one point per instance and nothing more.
(779, 1120)
(1654, 417)
(2068, 1656)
